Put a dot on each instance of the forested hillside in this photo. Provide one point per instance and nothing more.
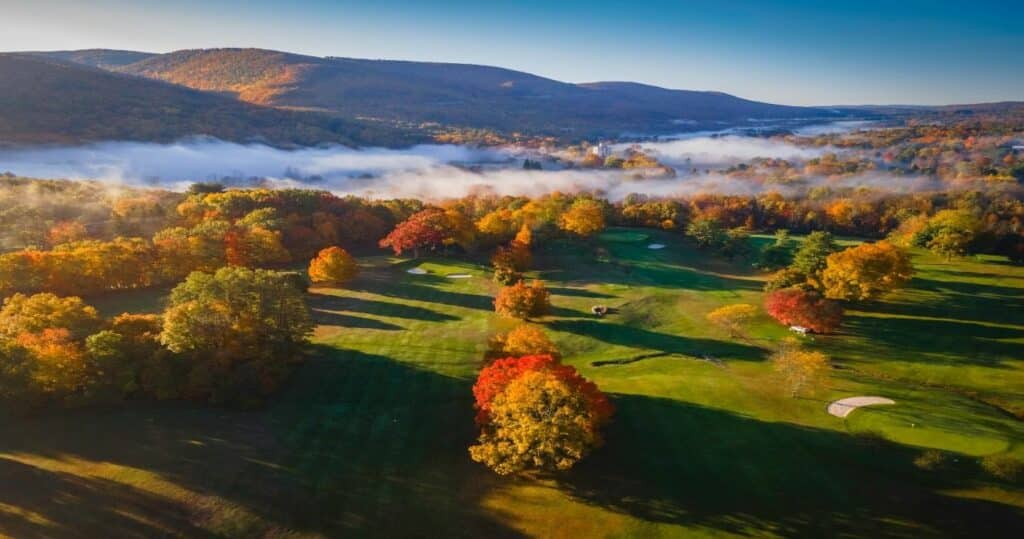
(454, 95)
(43, 100)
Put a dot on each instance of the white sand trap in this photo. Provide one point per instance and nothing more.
(656, 246)
(416, 271)
(843, 407)
(458, 276)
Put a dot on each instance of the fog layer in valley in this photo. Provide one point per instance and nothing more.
(427, 171)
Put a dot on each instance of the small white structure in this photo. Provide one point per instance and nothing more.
(602, 150)
(800, 329)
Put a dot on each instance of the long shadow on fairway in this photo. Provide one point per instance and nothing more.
(641, 338)
(633, 274)
(934, 341)
(577, 292)
(327, 303)
(959, 301)
(43, 500)
(427, 294)
(325, 318)
(675, 462)
(357, 445)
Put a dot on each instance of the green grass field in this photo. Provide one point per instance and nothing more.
(370, 437)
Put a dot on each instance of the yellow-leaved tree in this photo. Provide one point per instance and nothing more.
(539, 422)
(800, 370)
(866, 271)
(333, 265)
(584, 218)
(732, 318)
(524, 340)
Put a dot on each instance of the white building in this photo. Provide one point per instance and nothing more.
(602, 150)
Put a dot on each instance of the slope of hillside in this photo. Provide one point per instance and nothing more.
(44, 100)
(451, 94)
(102, 58)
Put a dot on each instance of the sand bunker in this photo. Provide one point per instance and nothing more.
(417, 271)
(458, 276)
(843, 407)
(656, 246)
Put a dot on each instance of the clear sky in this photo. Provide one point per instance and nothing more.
(794, 52)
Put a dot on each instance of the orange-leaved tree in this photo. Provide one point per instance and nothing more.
(333, 265)
(524, 340)
(426, 229)
(801, 307)
(521, 301)
(536, 414)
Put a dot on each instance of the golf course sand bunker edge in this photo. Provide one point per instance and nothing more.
(458, 276)
(656, 246)
(843, 407)
(416, 271)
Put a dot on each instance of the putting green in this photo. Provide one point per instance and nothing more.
(927, 425)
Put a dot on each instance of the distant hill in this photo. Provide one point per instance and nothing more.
(46, 100)
(449, 94)
(102, 58)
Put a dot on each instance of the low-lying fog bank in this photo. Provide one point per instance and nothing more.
(428, 171)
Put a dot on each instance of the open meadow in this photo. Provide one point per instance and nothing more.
(370, 435)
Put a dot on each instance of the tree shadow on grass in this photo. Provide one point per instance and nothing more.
(35, 502)
(675, 462)
(577, 292)
(958, 301)
(671, 344)
(428, 294)
(958, 272)
(935, 341)
(357, 444)
(327, 318)
(327, 303)
(647, 274)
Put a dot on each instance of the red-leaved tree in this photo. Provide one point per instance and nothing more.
(426, 229)
(495, 377)
(807, 308)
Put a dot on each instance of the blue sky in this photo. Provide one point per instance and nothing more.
(793, 52)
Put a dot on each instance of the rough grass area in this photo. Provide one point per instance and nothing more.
(370, 437)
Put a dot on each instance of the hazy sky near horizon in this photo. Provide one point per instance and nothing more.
(801, 52)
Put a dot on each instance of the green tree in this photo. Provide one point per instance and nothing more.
(707, 233)
(736, 244)
(811, 258)
(238, 313)
(778, 254)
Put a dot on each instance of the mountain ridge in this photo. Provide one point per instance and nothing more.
(446, 94)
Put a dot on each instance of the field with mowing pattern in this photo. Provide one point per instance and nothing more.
(370, 436)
